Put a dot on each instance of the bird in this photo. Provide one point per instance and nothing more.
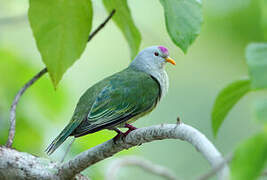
(120, 99)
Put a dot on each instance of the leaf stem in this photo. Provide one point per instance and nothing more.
(102, 25)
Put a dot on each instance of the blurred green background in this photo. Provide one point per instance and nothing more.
(215, 59)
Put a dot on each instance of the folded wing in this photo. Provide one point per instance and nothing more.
(119, 101)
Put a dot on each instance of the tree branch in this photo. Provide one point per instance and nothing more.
(117, 164)
(14, 106)
(144, 135)
(38, 168)
(20, 165)
(12, 127)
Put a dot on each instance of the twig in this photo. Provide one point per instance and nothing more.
(214, 170)
(14, 106)
(101, 25)
(29, 83)
(12, 20)
(67, 150)
(144, 135)
(117, 164)
(264, 173)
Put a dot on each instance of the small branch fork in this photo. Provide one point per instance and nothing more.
(217, 168)
(12, 119)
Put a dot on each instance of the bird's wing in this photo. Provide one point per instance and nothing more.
(119, 101)
(109, 102)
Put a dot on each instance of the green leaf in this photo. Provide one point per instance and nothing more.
(61, 29)
(183, 20)
(256, 55)
(260, 111)
(124, 21)
(226, 99)
(42, 104)
(263, 6)
(249, 158)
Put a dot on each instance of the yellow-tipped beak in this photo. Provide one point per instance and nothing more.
(170, 60)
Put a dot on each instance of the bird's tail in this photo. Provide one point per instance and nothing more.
(65, 133)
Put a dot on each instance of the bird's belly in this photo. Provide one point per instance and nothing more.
(133, 119)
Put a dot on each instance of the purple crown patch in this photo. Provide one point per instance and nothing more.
(163, 50)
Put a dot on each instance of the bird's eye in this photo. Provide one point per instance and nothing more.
(156, 54)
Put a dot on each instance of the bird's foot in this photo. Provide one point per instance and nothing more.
(130, 129)
(121, 134)
(117, 137)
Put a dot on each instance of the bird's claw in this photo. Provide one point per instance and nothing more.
(117, 137)
(130, 127)
(121, 134)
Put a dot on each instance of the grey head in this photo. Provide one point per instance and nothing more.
(152, 60)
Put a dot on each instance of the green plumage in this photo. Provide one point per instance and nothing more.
(120, 98)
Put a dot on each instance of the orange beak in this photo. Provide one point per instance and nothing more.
(170, 60)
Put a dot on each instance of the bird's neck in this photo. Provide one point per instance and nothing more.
(159, 74)
(162, 77)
